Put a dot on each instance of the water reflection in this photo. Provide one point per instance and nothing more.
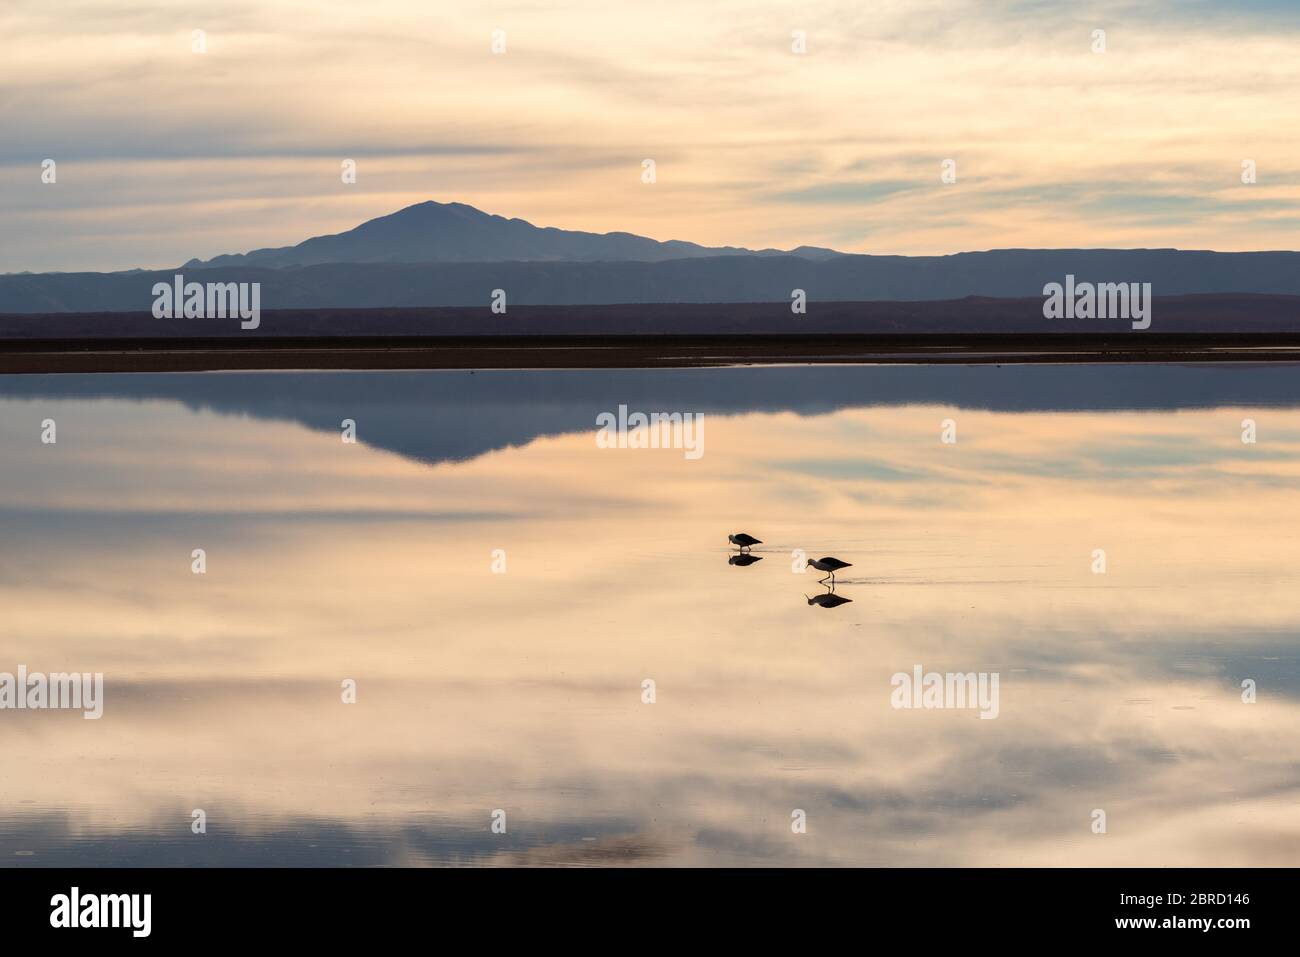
(828, 600)
(524, 689)
(424, 417)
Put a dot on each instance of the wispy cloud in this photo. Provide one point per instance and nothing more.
(166, 154)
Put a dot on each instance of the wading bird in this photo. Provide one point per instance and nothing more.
(829, 565)
(743, 541)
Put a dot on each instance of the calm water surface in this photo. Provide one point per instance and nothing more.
(522, 691)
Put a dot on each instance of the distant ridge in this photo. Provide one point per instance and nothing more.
(453, 255)
(1009, 273)
(454, 232)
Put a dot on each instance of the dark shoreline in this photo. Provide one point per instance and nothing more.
(627, 351)
(1200, 328)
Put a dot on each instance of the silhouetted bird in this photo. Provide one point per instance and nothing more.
(828, 600)
(831, 565)
(743, 559)
(742, 540)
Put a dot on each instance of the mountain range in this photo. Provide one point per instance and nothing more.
(436, 254)
(454, 232)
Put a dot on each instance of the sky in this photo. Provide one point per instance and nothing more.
(163, 153)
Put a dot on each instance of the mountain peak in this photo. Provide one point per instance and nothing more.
(457, 232)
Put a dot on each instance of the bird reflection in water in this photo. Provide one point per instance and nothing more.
(743, 541)
(828, 600)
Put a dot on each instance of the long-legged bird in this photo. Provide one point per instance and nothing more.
(830, 566)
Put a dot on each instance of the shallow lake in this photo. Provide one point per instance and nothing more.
(543, 627)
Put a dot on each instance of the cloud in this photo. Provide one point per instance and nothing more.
(166, 154)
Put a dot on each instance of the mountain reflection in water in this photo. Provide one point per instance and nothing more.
(525, 690)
